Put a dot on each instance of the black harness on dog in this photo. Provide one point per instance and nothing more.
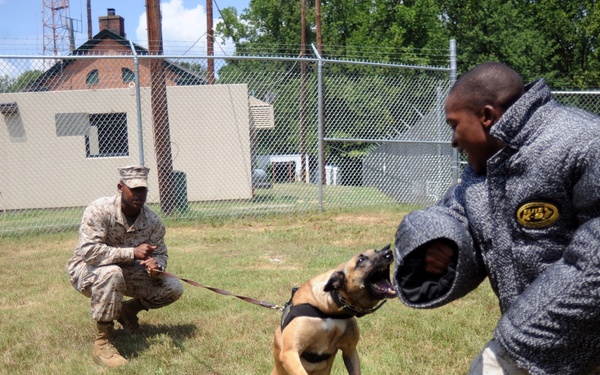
(291, 311)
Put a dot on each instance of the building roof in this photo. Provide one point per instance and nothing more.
(186, 76)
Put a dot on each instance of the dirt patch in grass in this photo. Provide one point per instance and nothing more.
(367, 219)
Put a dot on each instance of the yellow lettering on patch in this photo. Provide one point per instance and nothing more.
(537, 214)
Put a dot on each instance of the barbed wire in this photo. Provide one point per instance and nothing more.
(33, 46)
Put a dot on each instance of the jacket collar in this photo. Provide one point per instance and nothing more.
(515, 127)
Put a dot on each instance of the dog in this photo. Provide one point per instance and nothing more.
(320, 318)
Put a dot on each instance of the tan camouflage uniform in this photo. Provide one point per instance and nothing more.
(103, 266)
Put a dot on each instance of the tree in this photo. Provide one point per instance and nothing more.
(350, 29)
(267, 26)
(550, 38)
(571, 31)
(398, 30)
(8, 84)
(5, 83)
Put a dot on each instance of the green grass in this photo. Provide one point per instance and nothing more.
(282, 198)
(45, 325)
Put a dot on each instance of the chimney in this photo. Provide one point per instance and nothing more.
(113, 23)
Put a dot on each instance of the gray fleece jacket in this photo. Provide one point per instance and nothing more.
(532, 226)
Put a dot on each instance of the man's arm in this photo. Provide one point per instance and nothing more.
(435, 256)
(157, 261)
(95, 224)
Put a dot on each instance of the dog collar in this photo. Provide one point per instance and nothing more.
(353, 310)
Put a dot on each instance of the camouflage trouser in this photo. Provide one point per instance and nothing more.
(106, 286)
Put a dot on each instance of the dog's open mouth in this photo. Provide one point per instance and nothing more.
(379, 285)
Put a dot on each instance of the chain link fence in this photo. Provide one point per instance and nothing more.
(234, 136)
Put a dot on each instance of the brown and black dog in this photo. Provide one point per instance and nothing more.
(320, 318)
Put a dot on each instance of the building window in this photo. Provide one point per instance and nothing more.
(92, 78)
(107, 136)
(127, 75)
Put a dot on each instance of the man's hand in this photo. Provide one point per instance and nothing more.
(151, 266)
(143, 251)
(437, 257)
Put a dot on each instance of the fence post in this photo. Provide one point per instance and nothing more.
(320, 121)
(455, 156)
(138, 103)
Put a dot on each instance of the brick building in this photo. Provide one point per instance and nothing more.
(86, 74)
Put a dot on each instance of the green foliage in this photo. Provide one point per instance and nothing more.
(551, 38)
(5, 84)
(193, 67)
(269, 26)
(8, 84)
(396, 27)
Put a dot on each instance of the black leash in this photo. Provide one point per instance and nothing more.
(226, 293)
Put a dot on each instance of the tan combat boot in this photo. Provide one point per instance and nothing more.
(128, 317)
(104, 351)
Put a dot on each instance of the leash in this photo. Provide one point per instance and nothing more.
(226, 293)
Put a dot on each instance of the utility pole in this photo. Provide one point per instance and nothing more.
(160, 109)
(89, 18)
(320, 50)
(318, 21)
(210, 33)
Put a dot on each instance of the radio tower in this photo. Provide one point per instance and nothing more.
(57, 30)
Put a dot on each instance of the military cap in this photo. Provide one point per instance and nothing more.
(134, 176)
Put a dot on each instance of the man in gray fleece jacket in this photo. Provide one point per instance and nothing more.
(526, 214)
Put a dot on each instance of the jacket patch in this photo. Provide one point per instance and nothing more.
(537, 214)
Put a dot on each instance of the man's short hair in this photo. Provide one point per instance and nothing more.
(490, 83)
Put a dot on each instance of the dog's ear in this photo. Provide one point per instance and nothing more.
(386, 247)
(336, 281)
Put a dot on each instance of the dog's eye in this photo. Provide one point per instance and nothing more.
(361, 259)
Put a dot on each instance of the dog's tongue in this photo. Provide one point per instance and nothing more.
(386, 287)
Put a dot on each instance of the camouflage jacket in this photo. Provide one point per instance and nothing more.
(105, 238)
(532, 226)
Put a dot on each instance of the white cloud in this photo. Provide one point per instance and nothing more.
(183, 30)
(7, 69)
(181, 27)
(13, 68)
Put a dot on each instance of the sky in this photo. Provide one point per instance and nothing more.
(184, 24)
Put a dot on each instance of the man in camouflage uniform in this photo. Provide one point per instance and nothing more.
(121, 252)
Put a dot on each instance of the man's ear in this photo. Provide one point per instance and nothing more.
(489, 116)
(336, 281)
